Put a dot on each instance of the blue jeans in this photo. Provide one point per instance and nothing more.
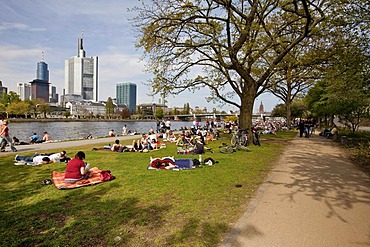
(9, 140)
(25, 159)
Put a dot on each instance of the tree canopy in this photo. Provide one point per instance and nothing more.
(344, 90)
(231, 47)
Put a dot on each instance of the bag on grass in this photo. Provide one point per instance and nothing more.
(106, 175)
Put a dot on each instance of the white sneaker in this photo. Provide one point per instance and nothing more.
(19, 163)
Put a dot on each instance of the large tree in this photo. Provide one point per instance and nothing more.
(295, 74)
(231, 47)
(7, 99)
(345, 89)
(109, 107)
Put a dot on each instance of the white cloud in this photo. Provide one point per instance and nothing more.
(8, 26)
(30, 27)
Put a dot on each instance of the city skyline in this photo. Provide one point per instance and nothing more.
(35, 31)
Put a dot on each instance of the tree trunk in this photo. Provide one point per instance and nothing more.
(288, 112)
(246, 110)
(288, 101)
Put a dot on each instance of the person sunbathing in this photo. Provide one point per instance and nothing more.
(163, 163)
(37, 159)
(116, 147)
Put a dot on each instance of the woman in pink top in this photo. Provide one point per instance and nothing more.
(4, 134)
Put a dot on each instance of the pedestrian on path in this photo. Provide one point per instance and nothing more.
(4, 134)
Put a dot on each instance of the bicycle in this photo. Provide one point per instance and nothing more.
(240, 137)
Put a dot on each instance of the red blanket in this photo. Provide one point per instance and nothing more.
(58, 179)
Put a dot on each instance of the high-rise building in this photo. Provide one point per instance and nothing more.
(3, 89)
(53, 97)
(24, 90)
(81, 75)
(40, 90)
(126, 95)
(42, 71)
(40, 86)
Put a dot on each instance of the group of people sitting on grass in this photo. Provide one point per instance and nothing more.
(145, 144)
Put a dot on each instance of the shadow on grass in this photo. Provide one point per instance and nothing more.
(208, 234)
(77, 218)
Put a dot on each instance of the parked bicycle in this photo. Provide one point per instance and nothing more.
(240, 137)
(238, 141)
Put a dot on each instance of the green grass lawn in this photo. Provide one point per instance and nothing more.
(140, 207)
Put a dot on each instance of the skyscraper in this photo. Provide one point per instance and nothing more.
(42, 71)
(24, 90)
(126, 95)
(81, 75)
(40, 89)
(53, 96)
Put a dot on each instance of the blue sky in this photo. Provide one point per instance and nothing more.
(30, 27)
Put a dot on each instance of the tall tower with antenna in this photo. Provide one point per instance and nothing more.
(40, 86)
(81, 74)
(42, 72)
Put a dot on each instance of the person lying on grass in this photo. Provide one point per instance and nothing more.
(37, 158)
(76, 169)
(163, 163)
(116, 147)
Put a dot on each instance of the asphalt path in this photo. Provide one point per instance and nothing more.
(39, 147)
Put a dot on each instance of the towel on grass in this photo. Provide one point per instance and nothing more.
(58, 180)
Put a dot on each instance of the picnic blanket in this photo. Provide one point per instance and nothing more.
(60, 184)
(181, 164)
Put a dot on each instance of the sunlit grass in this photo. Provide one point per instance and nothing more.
(140, 207)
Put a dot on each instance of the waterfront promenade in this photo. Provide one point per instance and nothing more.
(66, 144)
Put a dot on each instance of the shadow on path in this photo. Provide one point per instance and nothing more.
(314, 185)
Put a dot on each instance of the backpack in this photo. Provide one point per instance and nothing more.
(210, 161)
(196, 163)
(105, 175)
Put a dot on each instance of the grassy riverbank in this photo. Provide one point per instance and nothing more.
(140, 207)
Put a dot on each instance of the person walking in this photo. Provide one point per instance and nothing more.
(4, 133)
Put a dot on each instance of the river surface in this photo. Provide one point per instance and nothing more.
(78, 130)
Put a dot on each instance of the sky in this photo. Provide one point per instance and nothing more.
(30, 28)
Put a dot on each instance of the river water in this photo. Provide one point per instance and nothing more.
(77, 130)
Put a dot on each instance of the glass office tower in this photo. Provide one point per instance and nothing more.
(126, 95)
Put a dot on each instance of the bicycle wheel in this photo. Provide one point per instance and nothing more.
(226, 149)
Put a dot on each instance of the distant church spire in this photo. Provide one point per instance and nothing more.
(262, 109)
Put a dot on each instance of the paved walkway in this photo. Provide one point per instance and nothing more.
(66, 144)
(313, 197)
